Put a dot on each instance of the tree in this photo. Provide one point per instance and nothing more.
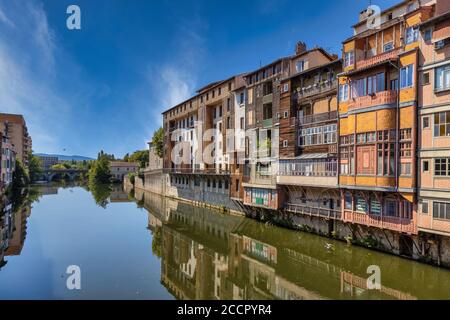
(158, 142)
(20, 179)
(99, 172)
(140, 156)
(34, 167)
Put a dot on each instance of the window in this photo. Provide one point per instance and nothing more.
(406, 76)
(286, 114)
(442, 167)
(359, 88)
(317, 135)
(388, 46)
(442, 124)
(424, 207)
(425, 166)
(343, 92)
(220, 91)
(441, 210)
(391, 208)
(427, 35)
(241, 98)
(349, 58)
(285, 143)
(237, 185)
(375, 206)
(361, 204)
(228, 104)
(375, 83)
(442, 78)
(410, 7)
(241, 123)
(394, 84)
(425, 78)
(405, 134)
(348, 201)
(286, 87)
(405, 169)
(412, 34)
(299, 65)
(425, 122)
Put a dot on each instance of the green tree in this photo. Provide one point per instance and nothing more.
(158, 141)
(99, 173)
(34, 167)
(20, 179)
(101, 193)
(140, 156)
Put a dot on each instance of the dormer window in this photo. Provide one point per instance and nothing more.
(389, 17)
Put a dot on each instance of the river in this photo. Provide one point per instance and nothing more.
(159, 248)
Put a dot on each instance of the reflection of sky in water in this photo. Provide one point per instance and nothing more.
(112, 246)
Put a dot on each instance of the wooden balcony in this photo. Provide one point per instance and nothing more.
(379, 58)
(313, 211)
(316, 118)
(316, 88)
(376, 99)
(209, 171)
(406, 225)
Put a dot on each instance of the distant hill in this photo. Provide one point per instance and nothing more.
(65, 158)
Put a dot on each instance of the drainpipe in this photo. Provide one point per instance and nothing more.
(397, 122)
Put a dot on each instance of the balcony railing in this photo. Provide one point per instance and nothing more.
(377, 59)
(376, 99)
(260, 178)
(308, 168)
(211, 171)
(314, 89)
(406, 225)
(313, 211)
(320, 117)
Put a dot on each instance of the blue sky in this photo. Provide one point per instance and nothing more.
(105, 86)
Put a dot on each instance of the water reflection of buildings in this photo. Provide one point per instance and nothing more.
(13, 230)
(118, 194)
(209, 255)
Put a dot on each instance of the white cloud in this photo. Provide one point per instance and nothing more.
(25, 87)
(4, 18)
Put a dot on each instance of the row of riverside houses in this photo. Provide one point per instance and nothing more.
(357, 147)
(15, 144)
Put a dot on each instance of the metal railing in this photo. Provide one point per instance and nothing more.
(212, 171)
(320, 117)
(308, 168)
(316, 88)
(313, 211)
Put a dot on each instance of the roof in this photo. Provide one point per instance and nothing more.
(383, 12)
(337, 61)
(123, 164)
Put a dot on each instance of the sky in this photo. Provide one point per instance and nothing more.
(104, 87)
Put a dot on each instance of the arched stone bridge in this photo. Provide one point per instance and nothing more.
(50, 174)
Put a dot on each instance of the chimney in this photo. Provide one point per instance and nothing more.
(300, 47)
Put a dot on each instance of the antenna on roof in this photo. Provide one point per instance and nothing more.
(260, 63)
